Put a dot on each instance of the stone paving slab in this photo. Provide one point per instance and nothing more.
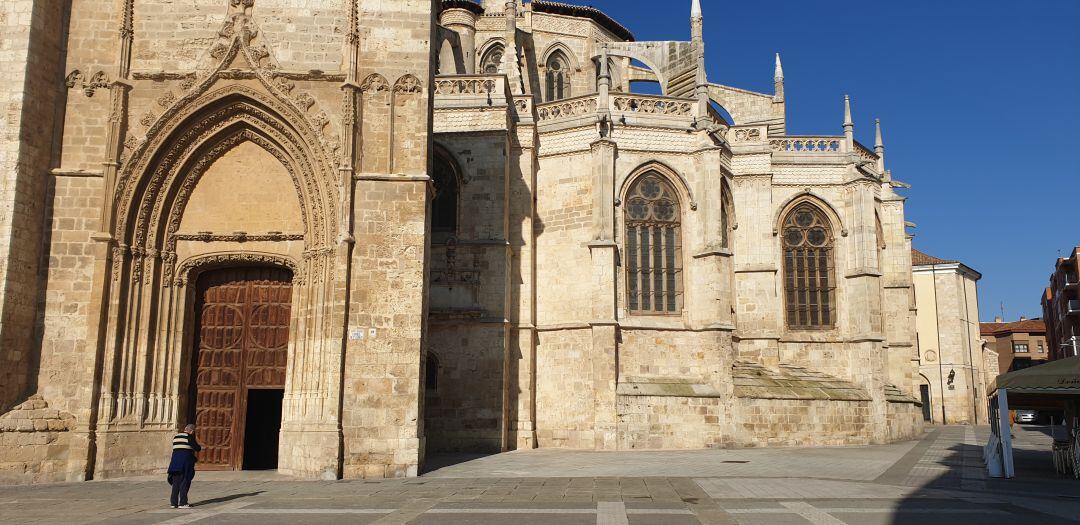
(864, 463)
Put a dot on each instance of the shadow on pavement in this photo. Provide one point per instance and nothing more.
(1038, 494)
(223, 499)
(435, 462)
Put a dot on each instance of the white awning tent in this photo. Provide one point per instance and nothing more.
(1050, 386)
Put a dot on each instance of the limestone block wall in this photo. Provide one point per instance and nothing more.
(563, 221)
(67, 356)
(465, 412)
(176, 35)
(35, 444)
(381, 410)
(665, 423)
(566, 362)
(31, 62)
(794, 422)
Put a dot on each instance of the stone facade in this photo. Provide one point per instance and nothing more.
(455, 235)
(955, 368)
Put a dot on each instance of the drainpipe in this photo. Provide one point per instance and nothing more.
(937, 326)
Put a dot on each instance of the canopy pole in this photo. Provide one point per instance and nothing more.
(1006, 434)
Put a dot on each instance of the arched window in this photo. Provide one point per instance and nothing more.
(444, 207)
(489, 64)
(809, 289)
(653, 247)
(558, 77)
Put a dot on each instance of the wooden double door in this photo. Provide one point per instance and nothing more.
(238, 381)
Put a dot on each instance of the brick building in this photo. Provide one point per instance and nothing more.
(1019, 344)
(1061, 308)
(377, 229)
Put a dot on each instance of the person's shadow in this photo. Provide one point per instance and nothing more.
(223, 499)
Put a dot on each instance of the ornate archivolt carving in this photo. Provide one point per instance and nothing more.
(190, 269)
(301, 154)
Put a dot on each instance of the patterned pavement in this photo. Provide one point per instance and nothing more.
(938, 479)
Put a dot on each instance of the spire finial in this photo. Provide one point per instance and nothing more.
(879, 147)
(695, 9)
(849, 126)
(778, 81)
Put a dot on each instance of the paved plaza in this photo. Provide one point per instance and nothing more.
(937, 479)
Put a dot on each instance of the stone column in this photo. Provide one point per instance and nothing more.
(604, 253)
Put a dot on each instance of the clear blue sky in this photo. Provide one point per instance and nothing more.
(978, 101)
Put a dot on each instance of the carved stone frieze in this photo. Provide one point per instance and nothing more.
(239, 237)
(76, 79)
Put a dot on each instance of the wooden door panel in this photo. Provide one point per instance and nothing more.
(243, 338)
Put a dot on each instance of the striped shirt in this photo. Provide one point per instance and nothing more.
(184, 441)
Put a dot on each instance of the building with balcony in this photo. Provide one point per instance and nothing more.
(1061, 308)
(955, 368)
(343, 235)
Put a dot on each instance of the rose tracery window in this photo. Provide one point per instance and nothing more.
(489, 64)
(653, 247)
(809, 290)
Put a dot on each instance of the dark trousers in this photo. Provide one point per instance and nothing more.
(181, 483)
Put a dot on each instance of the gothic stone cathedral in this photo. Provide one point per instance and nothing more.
(340, 235)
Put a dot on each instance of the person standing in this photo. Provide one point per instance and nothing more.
(182, 466)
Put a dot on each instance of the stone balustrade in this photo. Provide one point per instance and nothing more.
(563, 109)
(467, 85)
(471, 91)
(653, 105)
(808, 145)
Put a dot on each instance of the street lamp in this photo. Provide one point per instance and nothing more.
(952, 376)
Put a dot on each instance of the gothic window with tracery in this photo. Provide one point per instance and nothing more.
(558, 77)
(489, 64)
(809, 290)
(444, 207)
(653, 247)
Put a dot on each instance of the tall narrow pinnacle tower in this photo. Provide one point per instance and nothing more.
(697, 31)
(696, 20)
(778, 80)
(849, 126)
(879, 146)
(510, 66)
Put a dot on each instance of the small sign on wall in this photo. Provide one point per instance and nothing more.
(356, 334)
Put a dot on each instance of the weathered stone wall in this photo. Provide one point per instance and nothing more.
(565, 362)
(31, 40)
(382, 397)
(794, 422)
(465, 412)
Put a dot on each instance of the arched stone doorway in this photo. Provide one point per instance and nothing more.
(239, 365)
